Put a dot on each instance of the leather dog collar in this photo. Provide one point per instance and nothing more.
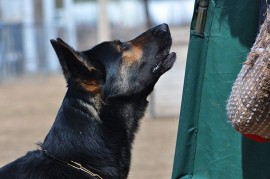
(71, 164)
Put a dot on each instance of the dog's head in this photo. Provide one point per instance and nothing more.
(119, 69)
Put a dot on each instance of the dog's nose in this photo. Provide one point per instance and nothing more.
(164, 27)
(161, 30)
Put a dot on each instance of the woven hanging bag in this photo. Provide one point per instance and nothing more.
(248, 107)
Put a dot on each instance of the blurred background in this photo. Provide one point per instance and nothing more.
(32, 86)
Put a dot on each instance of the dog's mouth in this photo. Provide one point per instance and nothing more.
(165, 58)
(165, 63)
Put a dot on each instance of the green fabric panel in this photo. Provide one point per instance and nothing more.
(186, 140)
(218, 153)
(207, 146)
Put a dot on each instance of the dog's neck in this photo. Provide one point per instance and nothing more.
(96, 135)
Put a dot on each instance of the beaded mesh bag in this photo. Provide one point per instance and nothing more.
(248, 107)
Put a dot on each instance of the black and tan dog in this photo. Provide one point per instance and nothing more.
(107, 89)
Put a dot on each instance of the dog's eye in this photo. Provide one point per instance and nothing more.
(124, 46)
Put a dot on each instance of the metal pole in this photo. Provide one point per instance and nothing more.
(104, 33)
(70, 23)
(49, 33)
(29, 46)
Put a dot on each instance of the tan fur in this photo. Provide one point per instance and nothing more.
(132, 55)
(90, 86)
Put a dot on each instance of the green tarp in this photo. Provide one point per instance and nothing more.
(207, 146)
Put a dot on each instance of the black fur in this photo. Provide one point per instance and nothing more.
(106, 98)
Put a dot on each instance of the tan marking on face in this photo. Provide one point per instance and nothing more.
(132, 55)
(129, 57)
(90, 86)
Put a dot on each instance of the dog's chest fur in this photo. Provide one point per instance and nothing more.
(98, 138)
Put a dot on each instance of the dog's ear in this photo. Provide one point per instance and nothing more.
(72, 62)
